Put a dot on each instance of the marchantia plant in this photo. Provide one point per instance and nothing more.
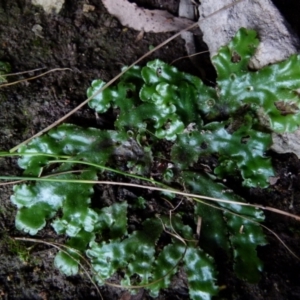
(159, 107)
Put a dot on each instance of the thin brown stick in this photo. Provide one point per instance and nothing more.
(12, 182)
(60, 248)
(281, 212)
(198, 228)
(23, 72)
(154, 188)
(188, 56)
(176, 192)
(118, 76)
(258, 224)
(34, 77)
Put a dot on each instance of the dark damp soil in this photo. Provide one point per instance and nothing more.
(94, 45)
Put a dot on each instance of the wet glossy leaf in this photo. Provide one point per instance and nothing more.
(32, 219)
(140, 246)
(88, 144)
(106, 259)
(201, 274)
(40, 201)
(237, 227)
(238, 86)
(242, 151)
(67, 262)
(165, 266)
(102, 101)
(68, 259)
(114, 219)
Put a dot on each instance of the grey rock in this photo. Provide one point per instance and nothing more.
(277, 40)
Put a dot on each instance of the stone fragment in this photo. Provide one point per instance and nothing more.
(277, 40)
(50, 5)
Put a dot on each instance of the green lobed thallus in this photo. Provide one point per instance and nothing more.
(158, 104)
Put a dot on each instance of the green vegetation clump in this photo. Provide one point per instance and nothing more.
(166, 122)
(4, 69)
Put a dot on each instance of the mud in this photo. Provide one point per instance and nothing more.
(94, 45)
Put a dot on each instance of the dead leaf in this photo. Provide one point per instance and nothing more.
(286, 107)
(87, 8)
(139, 36)
(130, 15)
(273, 180)
(127, 296)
